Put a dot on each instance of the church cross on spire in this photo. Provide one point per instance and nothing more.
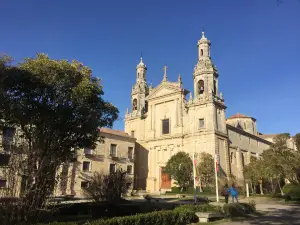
(165, 73)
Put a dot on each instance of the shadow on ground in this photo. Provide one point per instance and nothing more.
(283, 215)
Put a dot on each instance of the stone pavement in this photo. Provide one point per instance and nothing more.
(276, 213)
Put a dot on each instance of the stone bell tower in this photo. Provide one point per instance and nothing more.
(205, 73)
(209, 107)
(140, 89)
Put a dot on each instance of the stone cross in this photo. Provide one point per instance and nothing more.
(165, 73)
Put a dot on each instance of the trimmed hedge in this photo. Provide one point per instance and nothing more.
(108, 210)
(157, 218)
(198, 208)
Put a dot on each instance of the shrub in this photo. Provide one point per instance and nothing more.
(110, 187)
(197, 208)
(238, 209)
(292, 190)
(157, 218)
(252, 204)
(190, 190)
(60, 223)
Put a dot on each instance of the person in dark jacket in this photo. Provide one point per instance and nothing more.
(234, 193)
(225, 193)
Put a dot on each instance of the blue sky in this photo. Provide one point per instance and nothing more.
(255, 46)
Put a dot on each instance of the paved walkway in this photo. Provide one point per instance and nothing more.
(276, 213)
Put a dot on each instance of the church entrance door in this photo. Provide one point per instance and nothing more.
(165, 179)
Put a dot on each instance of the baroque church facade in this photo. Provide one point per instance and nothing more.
(168, 118)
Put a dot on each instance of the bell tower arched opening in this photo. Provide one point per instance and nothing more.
(200, 87)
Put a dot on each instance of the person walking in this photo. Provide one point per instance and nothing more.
(225, 193)
(234, 193)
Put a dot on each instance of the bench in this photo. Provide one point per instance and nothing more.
(180, 195)
(205, 217)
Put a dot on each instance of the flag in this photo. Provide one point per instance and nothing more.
(217, 163)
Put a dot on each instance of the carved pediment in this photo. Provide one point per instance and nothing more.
(163, 90)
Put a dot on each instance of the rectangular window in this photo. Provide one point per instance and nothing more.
(84, 184)
(132, 133)
(88, 151)
(2, 183)
(7, 137)
(86, 166)
(165, 126)
(130, 152)
(201, 123)
(129, 169)
(112, 168)
(113, 150)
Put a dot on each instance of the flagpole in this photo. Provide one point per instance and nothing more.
(194, 169)
(216, 177)
(194, 175)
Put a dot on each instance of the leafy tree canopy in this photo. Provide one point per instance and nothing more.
(205, 168)
(58, 107)
(180, 168)
(57, 104)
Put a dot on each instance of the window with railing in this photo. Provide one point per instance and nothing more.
(8, 137)
(129, 169)
(130, 153)
(2, 183)
(86, 166)
(112, 168)
(113, 150)
(84, 184)
(88, 151)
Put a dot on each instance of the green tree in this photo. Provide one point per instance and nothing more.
(206, 169)
(58, 107)
(180, 168)
(273, 169)
(286, 158)
(254, 172)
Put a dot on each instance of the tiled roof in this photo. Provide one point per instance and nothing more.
(115, 132)
(239, 115)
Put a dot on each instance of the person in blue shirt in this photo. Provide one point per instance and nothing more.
(234, 193)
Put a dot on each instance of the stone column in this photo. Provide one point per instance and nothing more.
(176, 112)
(151, 117)
(180, 112)
(239, 166)
(215, 120)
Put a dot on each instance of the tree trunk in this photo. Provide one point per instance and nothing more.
(252, 189)
(280, 188)
(261, 189)
(200, 186)
(272, 185)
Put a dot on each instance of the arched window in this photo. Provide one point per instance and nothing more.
(134, 104)
(200, 87)
(201, 52)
